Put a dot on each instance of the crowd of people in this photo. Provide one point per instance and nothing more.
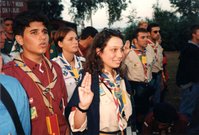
(93, 84)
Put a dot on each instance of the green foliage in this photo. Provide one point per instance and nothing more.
(51, 8)
(128, 32)
(115, 8)
(175, 25)
(186, 7)
(83, 9)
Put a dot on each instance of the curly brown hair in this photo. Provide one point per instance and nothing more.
(94, 64)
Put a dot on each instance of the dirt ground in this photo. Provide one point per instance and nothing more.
(173, 93)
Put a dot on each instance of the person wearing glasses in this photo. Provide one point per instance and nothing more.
(67, 42)
(153, 45)
(100, 104)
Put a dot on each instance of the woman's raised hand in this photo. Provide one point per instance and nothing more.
(85, 93)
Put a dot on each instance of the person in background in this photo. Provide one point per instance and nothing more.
(153, 45)
(53, 48)
(143, 24)
(187, 77)
(22, 105)
(139, 62)
(165, 120)
(8, 28)
(86, 39)
(101, 104)
(6, 58)
(71, 65)
(42, 79)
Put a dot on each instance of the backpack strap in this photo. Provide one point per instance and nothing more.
(10, 106)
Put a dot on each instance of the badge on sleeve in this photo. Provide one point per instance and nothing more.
(33, 112)
(102, 92)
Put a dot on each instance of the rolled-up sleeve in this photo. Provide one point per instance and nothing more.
(71, 121)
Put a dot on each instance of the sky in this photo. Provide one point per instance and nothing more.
(100, 18)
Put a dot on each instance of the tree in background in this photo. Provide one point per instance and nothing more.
(51, 8)
(83, 9)
(188, 15)
(174, 24)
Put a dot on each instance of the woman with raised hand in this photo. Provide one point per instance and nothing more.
(100, 104)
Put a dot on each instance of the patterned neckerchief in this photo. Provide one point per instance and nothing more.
(117, 93)
(20, 63)
(75, 72)
(155, 48)
(142, 56)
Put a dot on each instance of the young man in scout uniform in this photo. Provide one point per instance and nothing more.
(155, 48)
(139, 63)
(41, 78)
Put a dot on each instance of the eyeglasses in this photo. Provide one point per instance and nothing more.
(156, 31)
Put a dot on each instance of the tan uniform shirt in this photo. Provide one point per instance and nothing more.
(135, 69)
(158, 56)
(108, 114)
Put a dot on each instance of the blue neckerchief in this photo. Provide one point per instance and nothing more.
(69, 68)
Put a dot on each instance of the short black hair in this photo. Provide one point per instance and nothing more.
(151, 25)
(193, 29)
(136, 31)
(8, 19)
(88, 31)
(23, 20)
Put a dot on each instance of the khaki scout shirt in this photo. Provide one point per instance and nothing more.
(135, 69)
(158, 56)
(108, 115)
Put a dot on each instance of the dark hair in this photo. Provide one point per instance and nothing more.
(23, 20)
(88, 31)
(8, 19)
(93, 62)
(138, 30)
(151, 25)
(60, 35)
(193, 29)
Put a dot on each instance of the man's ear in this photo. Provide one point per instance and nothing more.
(60, 44)
(19, 39)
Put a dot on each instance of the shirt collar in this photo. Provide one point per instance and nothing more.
(31, 64)
(193, 43)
